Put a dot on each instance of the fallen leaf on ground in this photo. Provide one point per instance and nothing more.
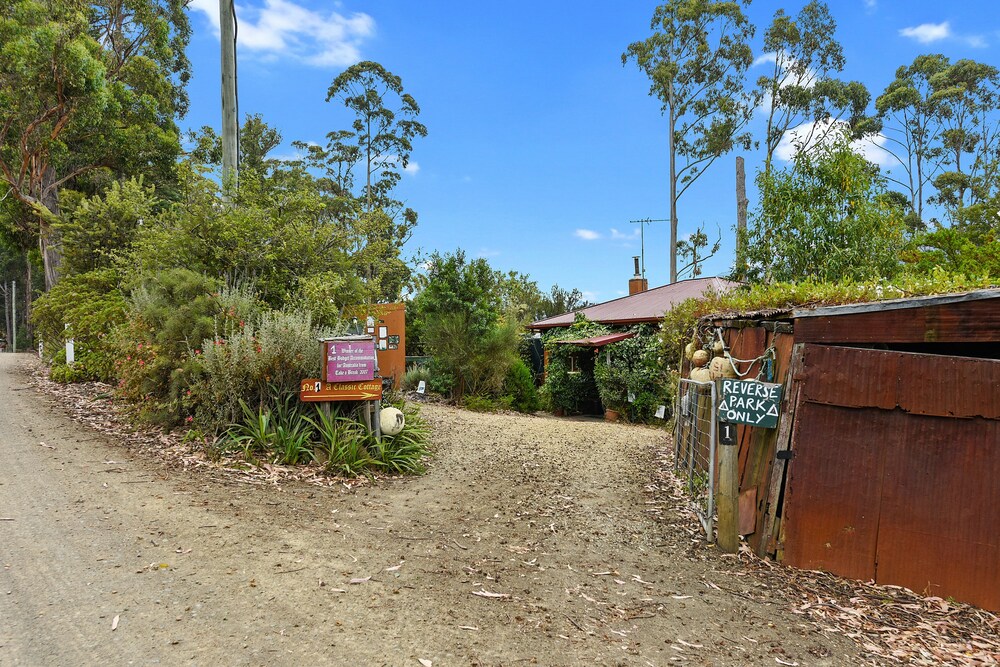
(114, 623)
(425, 662)
(488, 594)
(359, 580)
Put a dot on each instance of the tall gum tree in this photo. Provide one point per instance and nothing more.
(86, 86)
(696, 60)
(380, 141)
(801, 89)
(911, 123)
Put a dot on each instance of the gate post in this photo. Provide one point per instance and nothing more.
(727, 535)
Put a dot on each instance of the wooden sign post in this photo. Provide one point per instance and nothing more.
(743, 402)
(350, 373)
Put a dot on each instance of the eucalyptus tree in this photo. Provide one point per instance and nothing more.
(801, 89)
(86, 86)
(380, 142)
(696, 60)
(911, 122)
(967, 95)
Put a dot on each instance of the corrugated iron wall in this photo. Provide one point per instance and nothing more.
(896, 471)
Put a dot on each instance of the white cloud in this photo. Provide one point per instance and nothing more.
(586, 234)
(412, 167)
(487, 252)
(925, 33)
(766, 58)
(871, 5)
(283, 29)
(808, 135)
(976, 41)
(590, 296)
(619, 236)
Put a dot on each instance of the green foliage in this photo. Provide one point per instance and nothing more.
(826, 218)
(632, 366)
(77, 102)
(519, 387)
(98, 231)
(414, 375)
(458, 314)
(679, 325)
(94, 307)
(170, 314)
(404, 453)
(800, 90)
(275, 239)
(571, 391)
(341, 442)
(258, 359)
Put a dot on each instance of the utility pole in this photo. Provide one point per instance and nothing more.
(642, 239)
(741, 218)
(230, 127)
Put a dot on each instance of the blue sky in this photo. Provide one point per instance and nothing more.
(541, 146)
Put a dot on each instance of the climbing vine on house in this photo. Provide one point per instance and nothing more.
(631, 366)
(569, 377)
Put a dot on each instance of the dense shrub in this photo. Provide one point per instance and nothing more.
(93, 307)
(414, 375)
(566, 390)
(254, 362)
(171, 313)
(519, 388)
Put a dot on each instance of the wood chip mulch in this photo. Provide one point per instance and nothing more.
(92, 404)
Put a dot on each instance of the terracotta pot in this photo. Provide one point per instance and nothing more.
(611, 415)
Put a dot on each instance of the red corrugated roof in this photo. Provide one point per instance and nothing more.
(648, 306)
(598, 341)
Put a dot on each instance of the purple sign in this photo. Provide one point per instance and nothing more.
(350, 360)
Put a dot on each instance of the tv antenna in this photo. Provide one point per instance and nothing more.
(642, 238)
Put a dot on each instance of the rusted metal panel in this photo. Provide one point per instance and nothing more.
(842, 376)
(924, 321)
(939, 529)
(834, 485)
(949, 386)
(923, 384)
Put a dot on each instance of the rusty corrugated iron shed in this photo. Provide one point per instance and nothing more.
(648, 306)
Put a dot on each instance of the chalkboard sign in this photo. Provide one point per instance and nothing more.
(750, 402)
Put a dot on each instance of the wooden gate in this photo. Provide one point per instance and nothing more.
(895, 473)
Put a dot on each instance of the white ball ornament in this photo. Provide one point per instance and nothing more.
(391, 420)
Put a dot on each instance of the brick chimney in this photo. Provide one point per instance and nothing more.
(637, 283)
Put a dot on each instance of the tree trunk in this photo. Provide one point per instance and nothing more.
(29, 333)
(673, 189)
(48, 238)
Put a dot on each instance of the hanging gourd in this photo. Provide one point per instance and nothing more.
(721, 368)
(701, 374)
(689, 350)
(699, 358)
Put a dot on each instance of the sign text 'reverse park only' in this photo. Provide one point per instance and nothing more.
(750, 402)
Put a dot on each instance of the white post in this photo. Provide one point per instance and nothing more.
(13, 315)
(70, 352)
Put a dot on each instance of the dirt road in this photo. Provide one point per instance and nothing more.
(530, 541)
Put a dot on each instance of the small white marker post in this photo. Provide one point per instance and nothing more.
(421, 387)
(70, 351)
